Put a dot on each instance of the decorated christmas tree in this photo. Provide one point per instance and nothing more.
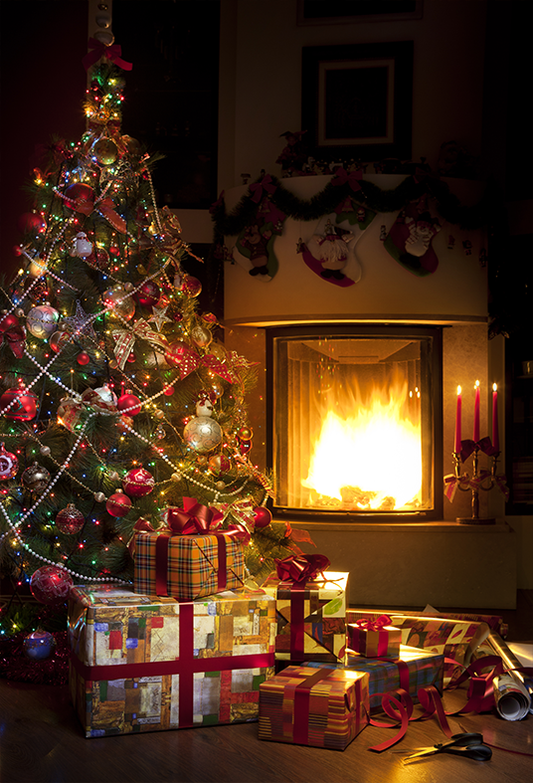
(118, 398)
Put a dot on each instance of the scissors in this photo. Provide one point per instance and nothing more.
(469, 744)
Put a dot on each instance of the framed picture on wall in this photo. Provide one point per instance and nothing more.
(357, 100)
(349, 11)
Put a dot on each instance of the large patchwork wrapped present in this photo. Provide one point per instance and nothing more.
(311, 610)
(324, 708)
(148, 663)
(190, 556)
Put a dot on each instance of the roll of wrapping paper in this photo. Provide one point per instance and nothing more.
(495, 645)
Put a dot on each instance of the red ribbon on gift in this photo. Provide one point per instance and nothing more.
(14, 335)
(374, 625)
(301, 568)
(342, 177)
(112, 53)
(257, 188)
(186, 666)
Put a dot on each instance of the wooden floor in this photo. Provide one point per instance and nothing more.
(41, 742)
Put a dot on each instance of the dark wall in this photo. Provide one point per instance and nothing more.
(42, 86)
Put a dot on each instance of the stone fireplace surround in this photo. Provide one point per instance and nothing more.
(442, 563)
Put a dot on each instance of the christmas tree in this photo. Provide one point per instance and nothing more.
(118, 397)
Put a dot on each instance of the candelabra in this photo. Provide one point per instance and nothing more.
(479, 480)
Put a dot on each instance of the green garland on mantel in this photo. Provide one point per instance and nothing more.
(369, 195)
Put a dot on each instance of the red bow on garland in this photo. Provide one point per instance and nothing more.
(112, 53)
(342, 177)
(257, 188)
(301, 568)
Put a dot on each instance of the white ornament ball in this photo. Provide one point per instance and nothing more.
(41, 321)
(203, 434)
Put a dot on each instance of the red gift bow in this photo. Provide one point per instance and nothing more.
(342, 177)
(257, 188)
(374, 625)
(301, 568)
(193, 519)
(189, 360)
(15, 336)
(112, 53)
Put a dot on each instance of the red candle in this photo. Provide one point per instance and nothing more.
(495, 432)
(457, 441)
(475, 436)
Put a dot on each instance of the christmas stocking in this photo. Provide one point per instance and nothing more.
(254, 249)
(330, 253)
(409, 239)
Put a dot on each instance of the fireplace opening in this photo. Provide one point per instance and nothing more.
(355, 422)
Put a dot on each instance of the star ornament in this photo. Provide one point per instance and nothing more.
(80, 323)
(159, 317)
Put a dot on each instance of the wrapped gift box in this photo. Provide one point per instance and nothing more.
(374, 639)
(453, 638)
(414, 669)
(311, 621)
(325, 708)
(187, 566)
(147, 663)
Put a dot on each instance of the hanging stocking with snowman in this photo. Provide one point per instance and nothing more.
(409, 239)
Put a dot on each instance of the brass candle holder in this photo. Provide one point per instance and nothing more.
(478, 481)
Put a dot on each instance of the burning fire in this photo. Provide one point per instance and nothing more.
(368, 456)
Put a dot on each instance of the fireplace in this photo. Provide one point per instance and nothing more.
(355, 416)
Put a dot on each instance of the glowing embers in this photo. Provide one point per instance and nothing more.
(367, 454)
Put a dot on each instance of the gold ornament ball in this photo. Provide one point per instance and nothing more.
(201, 336)
(99, 497)
(119, 302)
(217, 350)
(245, 433)
(220, 485)
(105, 151)
(203, 434)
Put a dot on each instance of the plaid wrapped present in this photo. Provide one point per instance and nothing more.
(413, 670)
(325, 708)
(311, 616)
(147, 663)
(173, 562)
(374, 638)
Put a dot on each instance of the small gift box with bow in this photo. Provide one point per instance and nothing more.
(374, 638)
(323, 708)
(190, 556)
(311, 609)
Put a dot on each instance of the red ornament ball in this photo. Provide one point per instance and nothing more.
(262, 516)
(70, 520)
(118, 504)
(31, 221)
(138, 482)
(83, 358)
(129, 402)
(24, 407)
(191, 286)
(8, 321)
(148, 294)
(168, 391)
(82, 197)
(50, 585)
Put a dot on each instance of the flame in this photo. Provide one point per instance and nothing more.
(369, 457)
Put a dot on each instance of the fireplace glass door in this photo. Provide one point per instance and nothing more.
(353, 420)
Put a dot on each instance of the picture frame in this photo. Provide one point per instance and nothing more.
(357, 100)
(321, 12)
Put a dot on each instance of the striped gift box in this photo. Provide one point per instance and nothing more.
(381, 642)
(324, 708)
(187, 567)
